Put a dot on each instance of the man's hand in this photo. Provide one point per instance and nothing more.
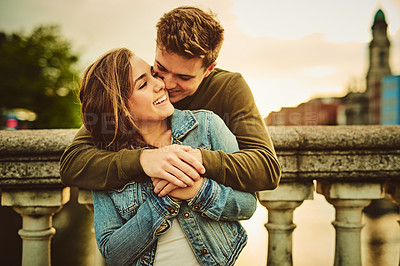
(176, 164)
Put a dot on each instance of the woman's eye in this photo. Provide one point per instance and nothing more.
(143, 85)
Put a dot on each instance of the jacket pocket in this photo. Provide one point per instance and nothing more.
(222, 236)
(128, 200)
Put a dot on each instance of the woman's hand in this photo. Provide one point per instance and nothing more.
(174, 191)
(186, 193)
(162, 187)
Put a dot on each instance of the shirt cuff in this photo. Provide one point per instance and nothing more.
(130, 165)
(205, 199)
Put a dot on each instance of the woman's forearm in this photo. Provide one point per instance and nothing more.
(121, 242)
(219, 202)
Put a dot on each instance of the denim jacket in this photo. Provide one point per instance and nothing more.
(129, 221)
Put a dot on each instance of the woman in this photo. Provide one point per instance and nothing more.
(126, 106)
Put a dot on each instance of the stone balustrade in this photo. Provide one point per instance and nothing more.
(350, 166)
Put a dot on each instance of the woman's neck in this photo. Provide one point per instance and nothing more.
(157, 134)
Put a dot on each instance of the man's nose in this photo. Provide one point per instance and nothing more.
(159, 85)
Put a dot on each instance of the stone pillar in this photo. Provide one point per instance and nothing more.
(349, 199)
(85, 197)
(37, 207)
(281, 204)
(393, 190)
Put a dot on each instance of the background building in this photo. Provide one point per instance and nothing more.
(320, 111)
(390, 101)
(379, 52)
(355, 108)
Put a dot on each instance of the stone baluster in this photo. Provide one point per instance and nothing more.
(392, 189)
(281, 204)
(37, 207)
(349, 199)
(85, 197)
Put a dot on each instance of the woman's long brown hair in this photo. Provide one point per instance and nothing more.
(104, 94)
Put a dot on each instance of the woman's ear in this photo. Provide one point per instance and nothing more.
(209, 69)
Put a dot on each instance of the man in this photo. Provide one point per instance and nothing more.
(188, 44)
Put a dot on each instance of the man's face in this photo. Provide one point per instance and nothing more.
(182, 76)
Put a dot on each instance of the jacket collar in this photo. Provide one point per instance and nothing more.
(182, 122)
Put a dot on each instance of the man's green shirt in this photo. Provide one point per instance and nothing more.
(254, 168)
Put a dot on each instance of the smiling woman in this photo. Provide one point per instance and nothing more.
(124, 101)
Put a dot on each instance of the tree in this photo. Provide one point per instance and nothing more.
(37, 73)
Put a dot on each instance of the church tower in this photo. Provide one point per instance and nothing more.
(378, 65)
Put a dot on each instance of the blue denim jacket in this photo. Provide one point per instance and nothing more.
(129, 221)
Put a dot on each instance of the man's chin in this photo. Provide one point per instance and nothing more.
(175, 99)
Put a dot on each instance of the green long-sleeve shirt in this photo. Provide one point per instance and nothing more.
(253, 168)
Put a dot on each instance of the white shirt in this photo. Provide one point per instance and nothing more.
(174, 249)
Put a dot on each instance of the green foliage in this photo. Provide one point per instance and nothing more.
(37, 73)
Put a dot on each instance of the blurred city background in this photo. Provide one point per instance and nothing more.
(307, 62)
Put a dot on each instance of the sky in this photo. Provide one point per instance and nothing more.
(288, 51)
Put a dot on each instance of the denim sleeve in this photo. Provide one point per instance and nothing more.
(215, 200)
(121, 242)
(222, 203)
(221, 137)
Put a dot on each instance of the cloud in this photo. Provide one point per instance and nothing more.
(292, 20)
(288, 72)
(269, 57)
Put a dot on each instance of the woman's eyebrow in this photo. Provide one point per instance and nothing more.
(139, 78)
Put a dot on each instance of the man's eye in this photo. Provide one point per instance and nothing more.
(160, 68)
(155, 74)
(185, 78)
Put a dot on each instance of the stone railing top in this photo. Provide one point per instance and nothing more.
(43, 141)
(31, 157)
(335, 137)
(53, 141)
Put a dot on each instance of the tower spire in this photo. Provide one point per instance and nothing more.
(379, 67)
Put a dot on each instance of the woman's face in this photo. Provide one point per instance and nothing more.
(149, 100)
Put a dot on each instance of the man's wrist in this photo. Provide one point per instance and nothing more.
(197, 154)
(130, 162)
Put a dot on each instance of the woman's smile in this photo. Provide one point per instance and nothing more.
(160, 100)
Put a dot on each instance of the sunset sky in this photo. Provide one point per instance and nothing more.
(288, 51)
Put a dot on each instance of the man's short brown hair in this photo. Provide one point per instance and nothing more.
(190, 32)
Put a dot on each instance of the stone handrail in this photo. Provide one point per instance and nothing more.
(338, 152)
(351, 165)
